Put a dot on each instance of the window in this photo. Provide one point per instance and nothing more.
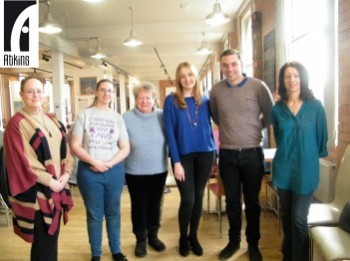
(247, 43)
(310, 33)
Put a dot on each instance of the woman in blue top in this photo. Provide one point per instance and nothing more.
(191, 144)
(300, 130)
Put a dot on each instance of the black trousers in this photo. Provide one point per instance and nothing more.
(242, 171)
(197, 168)
(44, 246)
(146, 192)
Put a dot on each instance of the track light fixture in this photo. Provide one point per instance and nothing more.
(132, 40)
(204, 50)
(98, 54)
(46, 58)
(217, 17)
(50, 26)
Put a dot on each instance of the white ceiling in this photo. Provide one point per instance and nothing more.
(173, 27)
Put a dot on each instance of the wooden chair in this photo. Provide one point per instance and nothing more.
(4, 200)
(272, 200)
(327, 214)
(212, 179)
(214, 170)
(215, 186)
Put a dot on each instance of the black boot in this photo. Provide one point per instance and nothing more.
(184, 247)
(195, 245)
(228, 251)
(154, 241)
(140, 248)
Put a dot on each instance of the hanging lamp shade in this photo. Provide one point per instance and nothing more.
(98, 54)
(49, 26)
(132, 40)
(93, 1)
(204, 50)
(217, 17)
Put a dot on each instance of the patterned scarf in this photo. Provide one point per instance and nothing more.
(51, 204)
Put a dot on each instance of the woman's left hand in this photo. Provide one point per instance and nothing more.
(64, 178)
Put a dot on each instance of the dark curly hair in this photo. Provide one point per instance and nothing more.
(305, 92)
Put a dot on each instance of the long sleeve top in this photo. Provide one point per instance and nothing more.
(241, 112)
(187, 130)
(301, 140)
(148, 148)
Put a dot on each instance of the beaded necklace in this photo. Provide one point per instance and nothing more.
(193, 121)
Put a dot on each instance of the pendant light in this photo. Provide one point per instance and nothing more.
(99, 54)
(93, 1)
(132, 40)
(50, 26)
(217, 17)
(204, 50)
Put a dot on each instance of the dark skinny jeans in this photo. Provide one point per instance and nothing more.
(197, 168)
(295, 209)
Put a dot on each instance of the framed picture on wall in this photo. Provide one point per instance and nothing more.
(87, 85)
(17, 106)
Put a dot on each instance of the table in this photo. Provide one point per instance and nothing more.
(269, 154)
(273, 204)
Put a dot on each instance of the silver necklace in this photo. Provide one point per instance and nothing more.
(193, 121)
(45, 125)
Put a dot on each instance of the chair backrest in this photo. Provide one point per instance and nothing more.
(342, 182)
(3, 179)
(216, 138)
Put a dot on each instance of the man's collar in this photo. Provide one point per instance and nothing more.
(229, 85)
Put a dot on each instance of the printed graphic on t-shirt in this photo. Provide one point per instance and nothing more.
(101, 133)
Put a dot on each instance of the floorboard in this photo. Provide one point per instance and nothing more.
(73, 241)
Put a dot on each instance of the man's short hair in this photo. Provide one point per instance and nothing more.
(230, 52)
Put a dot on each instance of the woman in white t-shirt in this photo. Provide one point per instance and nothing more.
(100, 141)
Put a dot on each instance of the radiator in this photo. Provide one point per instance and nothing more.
(325, 190)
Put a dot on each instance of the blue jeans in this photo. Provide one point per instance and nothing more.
(101, 193)
(242, 171)
(295, 209)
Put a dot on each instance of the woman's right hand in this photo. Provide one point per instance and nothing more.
(56, 186)
(179, 172)
(99, 166)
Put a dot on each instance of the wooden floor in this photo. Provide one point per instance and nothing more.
(73, 241)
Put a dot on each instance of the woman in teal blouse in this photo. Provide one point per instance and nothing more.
(300, 130)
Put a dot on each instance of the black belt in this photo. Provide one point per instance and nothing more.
(246, 149)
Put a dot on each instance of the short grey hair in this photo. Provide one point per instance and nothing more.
(145, 86)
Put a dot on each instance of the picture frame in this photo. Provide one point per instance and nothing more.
(87, 85)
(17, 106)
(270, 61)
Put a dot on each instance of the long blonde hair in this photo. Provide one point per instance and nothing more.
(197, 94)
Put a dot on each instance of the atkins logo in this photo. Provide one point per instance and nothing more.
(19, 34)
